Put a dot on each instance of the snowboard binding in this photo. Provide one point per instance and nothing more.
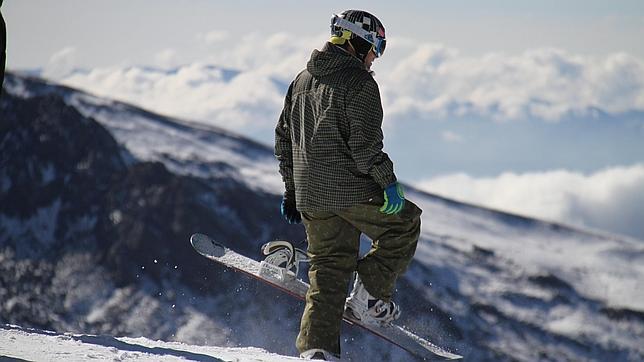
(282, 259)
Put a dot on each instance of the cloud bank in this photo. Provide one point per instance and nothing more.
(546, 84)
(610, 199)
(240, 86)
(418, 81)
(214, 95)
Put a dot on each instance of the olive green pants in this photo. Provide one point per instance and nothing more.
(334, 242)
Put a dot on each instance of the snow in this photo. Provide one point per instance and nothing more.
(185, 148)
(86, 284)
(41, 226)
(200, 327)
(48, 174)
(601, 266)
(17, 88)
(38, 345)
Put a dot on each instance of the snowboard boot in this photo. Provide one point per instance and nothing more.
(368, 309)
(319, 354)
(284, 255)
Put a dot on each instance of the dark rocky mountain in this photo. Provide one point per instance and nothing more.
(98, 199)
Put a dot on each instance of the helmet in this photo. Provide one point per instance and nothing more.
(364, 31)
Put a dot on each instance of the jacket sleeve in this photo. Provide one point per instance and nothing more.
(364, 112)
(283, 147)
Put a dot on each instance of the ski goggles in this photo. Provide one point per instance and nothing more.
(377, 41)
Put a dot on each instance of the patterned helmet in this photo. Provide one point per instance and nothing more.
(364, 29)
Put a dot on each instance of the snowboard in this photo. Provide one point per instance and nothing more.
(287, 282)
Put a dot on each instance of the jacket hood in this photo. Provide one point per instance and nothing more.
(330, 60)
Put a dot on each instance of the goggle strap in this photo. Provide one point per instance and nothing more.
(364, 34)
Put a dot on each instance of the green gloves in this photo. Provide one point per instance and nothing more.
(394, 199)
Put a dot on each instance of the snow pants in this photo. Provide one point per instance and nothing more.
(334, 242)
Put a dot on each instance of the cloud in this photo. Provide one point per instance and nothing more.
(61, 63)
(451, 137)
(279, 54)
(418, 81)
(547, 84)
(610, 199)
(166, 58)
(241, 88)
(213, 37)
(197, 91)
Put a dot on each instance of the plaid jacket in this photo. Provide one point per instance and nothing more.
(328, 139)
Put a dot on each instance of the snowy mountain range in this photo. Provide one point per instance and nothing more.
(98, 199)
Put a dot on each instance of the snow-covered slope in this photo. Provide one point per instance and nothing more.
(491, 285)
(40, 345)
(532, 284)
(184, 147)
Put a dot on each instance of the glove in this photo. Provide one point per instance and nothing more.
(289, 209)
(394, 199)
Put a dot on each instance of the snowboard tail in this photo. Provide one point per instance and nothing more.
(287, 282)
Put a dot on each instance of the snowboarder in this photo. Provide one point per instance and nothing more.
(341, 184)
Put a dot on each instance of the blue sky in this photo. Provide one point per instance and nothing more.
(531, 107)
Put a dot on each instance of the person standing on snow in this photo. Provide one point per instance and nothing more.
(340, 183)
